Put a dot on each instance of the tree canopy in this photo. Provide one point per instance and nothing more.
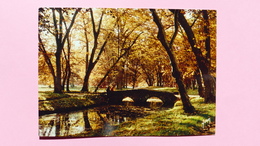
(123, 47)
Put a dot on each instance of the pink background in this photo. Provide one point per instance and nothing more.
(238, 97)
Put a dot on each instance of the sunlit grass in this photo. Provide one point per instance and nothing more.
(54, 101)
(50, 95)
(172, 122)
(64, 103)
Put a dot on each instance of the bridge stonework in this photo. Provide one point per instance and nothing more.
(140, 97)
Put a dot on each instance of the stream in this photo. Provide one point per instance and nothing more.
(103, 119)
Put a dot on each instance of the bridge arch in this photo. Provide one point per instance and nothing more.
(154, 102)
(154, 99)
(128, 101)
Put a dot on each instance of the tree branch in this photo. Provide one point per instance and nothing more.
(55, 25)
(176, 24)
(71, 24)
(46, 57)
(102, 49)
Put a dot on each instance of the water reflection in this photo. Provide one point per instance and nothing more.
(154, 102)
(61, 124)
(69, 124)
(103, 120)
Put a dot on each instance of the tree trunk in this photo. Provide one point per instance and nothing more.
(85, 87)
(57, 85)
(197, 76)
(210, 82)
(91, 62)
(68, 79)
(59, 46)
(210, 89)
(60, 40)
(125, 75)
(109, 70)
(149, 76)
(202, 61)
(187, 106)
(68, 68)
(207, 40)
(58, 124)
(120, 81)
(87, 124)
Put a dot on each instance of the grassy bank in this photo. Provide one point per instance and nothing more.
(53, 102)
(172, 122)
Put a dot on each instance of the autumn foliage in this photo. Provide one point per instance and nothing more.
(127, 48)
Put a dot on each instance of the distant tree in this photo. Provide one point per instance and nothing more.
(124, 52)
(126, 33)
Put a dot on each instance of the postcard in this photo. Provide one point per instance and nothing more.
(126, 72)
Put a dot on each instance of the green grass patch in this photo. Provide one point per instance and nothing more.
(172, 89)
(52, 105)
(50, 95)
(172, 122)
(54, 101)
(192, 92)
(166, 89)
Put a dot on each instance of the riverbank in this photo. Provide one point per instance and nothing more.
(166, 122)
(172, 122)
(57, 103)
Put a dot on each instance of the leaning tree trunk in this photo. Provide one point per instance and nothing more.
(115, 63)
(187, 106)
(208, 79)
(110, 69)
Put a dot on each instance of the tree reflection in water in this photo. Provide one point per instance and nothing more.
(102, 120)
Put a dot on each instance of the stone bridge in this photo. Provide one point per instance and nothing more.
(140, 97)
